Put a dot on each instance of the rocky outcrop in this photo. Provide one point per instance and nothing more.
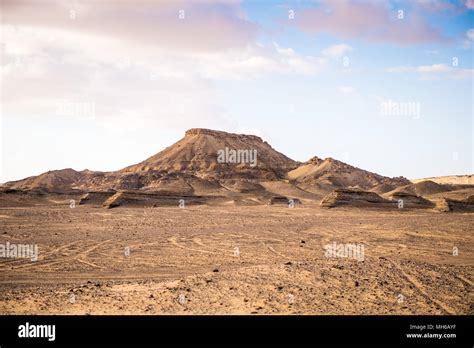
(283, 200)
(141, 199)
(95, 198)
(449, 205)
(356, 198)
(409, 200)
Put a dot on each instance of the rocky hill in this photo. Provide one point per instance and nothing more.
(331, 173)
(214, 154)
(226, 166)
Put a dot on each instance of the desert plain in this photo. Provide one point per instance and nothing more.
(235, 260)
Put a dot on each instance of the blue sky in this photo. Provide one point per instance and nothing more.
(87, 87)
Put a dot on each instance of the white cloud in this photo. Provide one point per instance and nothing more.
(137, 62)
(400, 69)
(169, 24)
(434, 70)
(129, 84)
(469, 4)
(336, 51)
(128, 87)
(470, 34)
(345, 89)
(256, 61)
(469, 39)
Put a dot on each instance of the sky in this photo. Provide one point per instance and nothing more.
(384, 85)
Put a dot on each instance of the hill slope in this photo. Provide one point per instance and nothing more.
(198, 154)
(333, 173)
(422, 188)
(450, 180)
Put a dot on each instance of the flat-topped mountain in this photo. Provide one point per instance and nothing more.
(214, 163)
(215, 154)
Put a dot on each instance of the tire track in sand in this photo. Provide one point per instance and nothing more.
(421, 289)
(199, 242)
(68, 258)
(174, 241)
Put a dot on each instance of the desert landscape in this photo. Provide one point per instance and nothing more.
(188, 231)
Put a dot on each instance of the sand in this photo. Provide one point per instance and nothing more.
(236, 260)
